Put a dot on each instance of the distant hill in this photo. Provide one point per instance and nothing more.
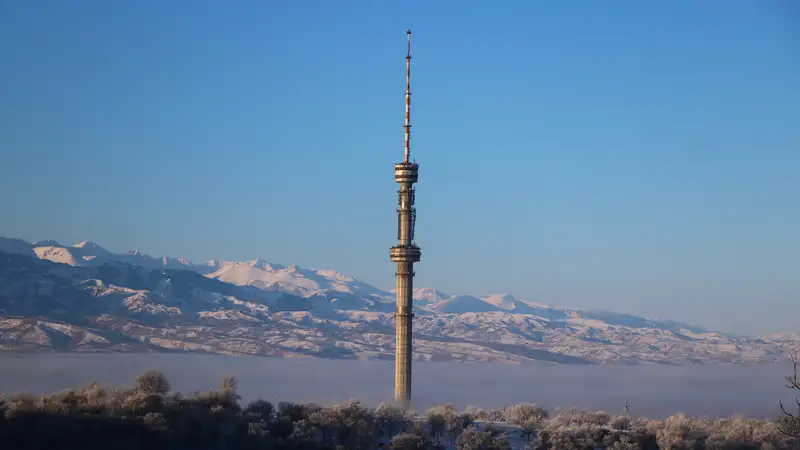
(85, 298)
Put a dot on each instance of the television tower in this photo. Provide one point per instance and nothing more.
(405, 253)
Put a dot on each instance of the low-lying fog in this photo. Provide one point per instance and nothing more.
(653, 391)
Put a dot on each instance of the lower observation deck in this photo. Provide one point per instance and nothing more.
(405, 253)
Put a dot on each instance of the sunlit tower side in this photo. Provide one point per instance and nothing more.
(405, 253)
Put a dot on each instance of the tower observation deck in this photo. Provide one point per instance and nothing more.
(405, 253)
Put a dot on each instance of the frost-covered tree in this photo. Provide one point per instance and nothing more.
(527, 416)
(437, 423)
(624, 443)
(521, 413)
(456, 423)
(390, 419)
(621, 423)
(476, 413)
(142, 417)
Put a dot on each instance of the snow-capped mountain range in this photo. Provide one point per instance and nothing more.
(85, 298)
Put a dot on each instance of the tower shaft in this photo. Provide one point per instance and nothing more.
(405, 253)
(403, 324)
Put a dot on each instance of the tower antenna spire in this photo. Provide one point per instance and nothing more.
(407, 125)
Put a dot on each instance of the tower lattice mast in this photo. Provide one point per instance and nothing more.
(407, 125)
(405, 253)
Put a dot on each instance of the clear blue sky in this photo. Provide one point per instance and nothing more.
(624, 155)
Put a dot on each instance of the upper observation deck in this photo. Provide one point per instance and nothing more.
(406, 172)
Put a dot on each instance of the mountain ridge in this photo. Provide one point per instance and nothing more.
(85, 298)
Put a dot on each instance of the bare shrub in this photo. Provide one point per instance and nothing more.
(476, 413)
(455, 423)
(305, 431)
(217, 399)
(558, 439)
(292, 411)
(495, 415)
(680, 432)
(790, 424)
(486, 439)
(281, 427)
(445, 419)
(590, 435)
(94, 393)
(416, 426)
(156, 421)
(576, 418)
(153, 382)
(740, 433)
(19, 405)
(559, 419)
(408, 441)
(229, 382)
(598, 418)
(621, 423)
(260, 409)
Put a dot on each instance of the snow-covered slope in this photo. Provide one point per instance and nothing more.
(460, 304)
(291, 279)
(59, 255)
(425, 296)
(87, 253)
(85, 298)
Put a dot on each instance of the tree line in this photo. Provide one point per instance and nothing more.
(150, 416)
